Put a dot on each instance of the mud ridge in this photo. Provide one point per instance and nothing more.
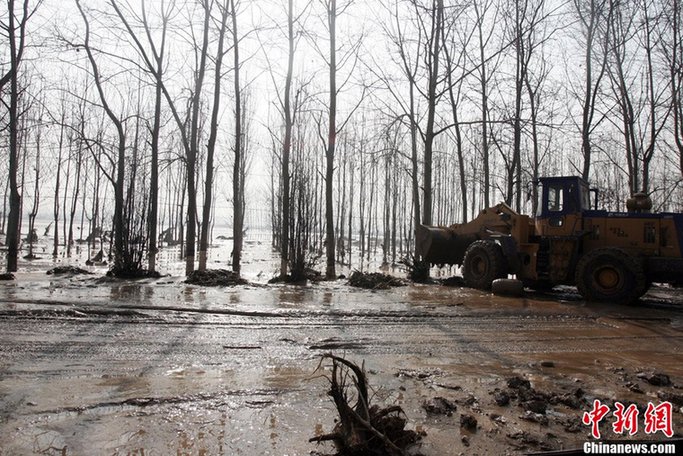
(142, 402)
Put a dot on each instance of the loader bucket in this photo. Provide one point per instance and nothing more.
(440, 245)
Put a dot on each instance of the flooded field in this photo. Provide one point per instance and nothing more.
(90, 365)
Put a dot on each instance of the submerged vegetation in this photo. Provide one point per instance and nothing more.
(133, 148)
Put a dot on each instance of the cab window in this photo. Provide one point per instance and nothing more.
(555, 203)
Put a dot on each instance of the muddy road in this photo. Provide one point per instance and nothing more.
(92, 366)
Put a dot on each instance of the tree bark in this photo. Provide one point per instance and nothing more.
(16, 50)
(191, 159)
(211, 146)
(330, 270)
(432, 100)
(237, 170)
(121, 254)
(287, 144)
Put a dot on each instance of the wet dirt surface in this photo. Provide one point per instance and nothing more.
(97, 366)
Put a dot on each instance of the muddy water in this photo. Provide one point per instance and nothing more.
(92, 366)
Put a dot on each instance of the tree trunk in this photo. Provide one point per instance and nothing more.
(237, 170)
(432, 99)
(330, 271)
(484, 109)
(211, 146)
(36, 198)
(287, 144)
(55, 206)
(191, 159)
(154, 172)
(121, 251)
(13, 228)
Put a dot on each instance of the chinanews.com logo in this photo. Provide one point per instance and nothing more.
(657, 420)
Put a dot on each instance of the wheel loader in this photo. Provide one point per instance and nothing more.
(609, 256)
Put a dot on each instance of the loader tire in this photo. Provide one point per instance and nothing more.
(610, 274)
(483, 263)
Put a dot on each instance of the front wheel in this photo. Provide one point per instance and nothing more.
(483, 263)
(610, 274)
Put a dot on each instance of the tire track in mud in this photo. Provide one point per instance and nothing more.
(201, 335)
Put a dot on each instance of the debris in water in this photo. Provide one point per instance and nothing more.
(518, 383)
(439, 406)
(522, 438)
(535, 418)
(362, 428)
(570, 400)
(655, 379)
(420, 374)
(468, 422)
(535, 406)
(502, 398)
(7, 276)
(676, 399)
(374, 281)
(634, 387)
(62, 270)
(215, 278)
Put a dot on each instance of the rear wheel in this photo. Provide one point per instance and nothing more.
(483, 263)
(610, 274)
(507, 287)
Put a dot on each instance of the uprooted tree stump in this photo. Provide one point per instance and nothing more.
(362, 428)
(215, 278)
(374, 281)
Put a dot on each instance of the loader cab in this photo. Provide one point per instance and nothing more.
(563, 199)
(562, 196)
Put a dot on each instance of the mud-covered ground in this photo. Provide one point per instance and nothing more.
(90, 365)
(96, 366)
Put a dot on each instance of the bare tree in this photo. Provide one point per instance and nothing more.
(213, 134)
(121, 260)
(594, 17)
(287, 141)
(238, 170)
(432, 60)
(454, 42)
(189, 142)
(158, 57)
(334, 128)
(15, 29)
(193, 150)
(642, 102)
(409, 64)
(672, 50)
(32, 238)
(481, 11)
(58, 175)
